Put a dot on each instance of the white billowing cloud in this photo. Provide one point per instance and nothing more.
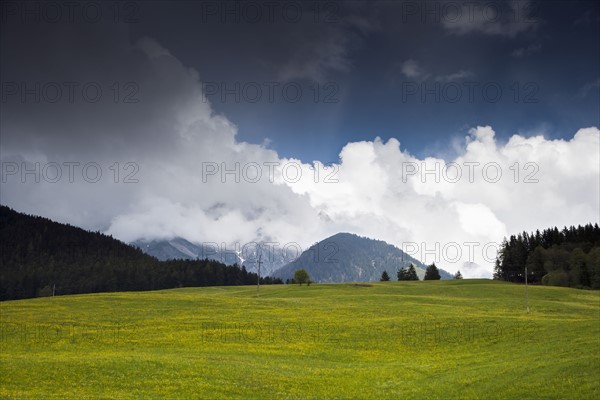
(196, 179)
(437, 209)
(479, 220)
(152, 48)
(168, 136)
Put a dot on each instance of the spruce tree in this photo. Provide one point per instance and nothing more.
(402, 274)
(432, 273)
(411, 274)
(384, 277)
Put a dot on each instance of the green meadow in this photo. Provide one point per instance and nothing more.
(461, 339)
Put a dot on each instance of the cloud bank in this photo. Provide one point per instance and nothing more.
(172, 167)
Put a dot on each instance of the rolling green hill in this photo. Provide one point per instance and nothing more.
(394, 340)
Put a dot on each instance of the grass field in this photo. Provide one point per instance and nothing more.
(394, 340)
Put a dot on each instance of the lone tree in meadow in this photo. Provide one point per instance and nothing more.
(301, 276)
(432, 273)
(384, 277)
(458, 275)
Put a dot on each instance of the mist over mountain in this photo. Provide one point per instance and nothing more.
(272, 257)
(345, 257)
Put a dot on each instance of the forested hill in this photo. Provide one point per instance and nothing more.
(567, 257)
(346, 257)
(39, 256)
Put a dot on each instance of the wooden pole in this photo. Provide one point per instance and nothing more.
(526, 291)
(258, 280)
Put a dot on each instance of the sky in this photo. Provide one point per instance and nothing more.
(440, 127)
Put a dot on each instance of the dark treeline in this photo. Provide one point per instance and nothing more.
(39, 256)
(568, 257)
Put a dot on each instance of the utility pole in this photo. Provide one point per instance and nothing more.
(53, 289)
(526, 291)
(258, 280)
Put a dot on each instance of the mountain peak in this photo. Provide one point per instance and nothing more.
(347, 257)
(180, 248)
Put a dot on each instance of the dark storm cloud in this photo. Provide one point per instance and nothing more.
(151, 95)
(357, 48)
(81, 87)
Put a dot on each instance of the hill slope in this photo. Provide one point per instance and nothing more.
(346, 257)
(38, 254)
(394, 340)
(39, 257)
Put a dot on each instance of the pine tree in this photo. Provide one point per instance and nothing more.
(411, 274)
(535, 265)
(384, 277)
(402, 274)
(432, 273)
(584, 276)
(458, 275)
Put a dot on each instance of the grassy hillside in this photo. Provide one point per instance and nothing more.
(435, 339)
